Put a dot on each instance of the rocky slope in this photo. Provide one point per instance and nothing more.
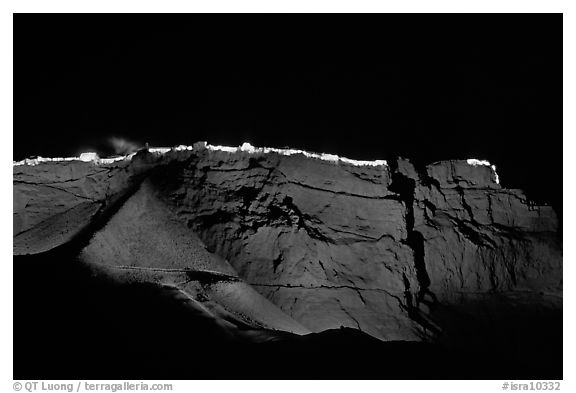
(299, 242)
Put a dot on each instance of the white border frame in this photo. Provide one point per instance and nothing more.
(487, 6)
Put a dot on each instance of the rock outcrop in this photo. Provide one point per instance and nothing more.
(298, 242)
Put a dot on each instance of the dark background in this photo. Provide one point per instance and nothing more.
(427, 87)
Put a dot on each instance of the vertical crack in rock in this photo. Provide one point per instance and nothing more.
(405, 188)
(359, 291)
(277, 261)
(349, 314)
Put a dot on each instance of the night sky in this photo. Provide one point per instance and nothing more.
(362, 86)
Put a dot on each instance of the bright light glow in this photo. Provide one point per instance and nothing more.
(161, 150)
(84, 157)
(38, 160)
(475, 162)
(496, 174)
(114, 159)
(183, 147)
(248, 148)
(223, 148)
(89, 156)
(245, 147)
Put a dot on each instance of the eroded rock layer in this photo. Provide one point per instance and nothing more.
(296, 243)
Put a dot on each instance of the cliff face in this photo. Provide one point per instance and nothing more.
(300, 243)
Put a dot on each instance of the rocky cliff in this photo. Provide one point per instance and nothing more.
(293, 241)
